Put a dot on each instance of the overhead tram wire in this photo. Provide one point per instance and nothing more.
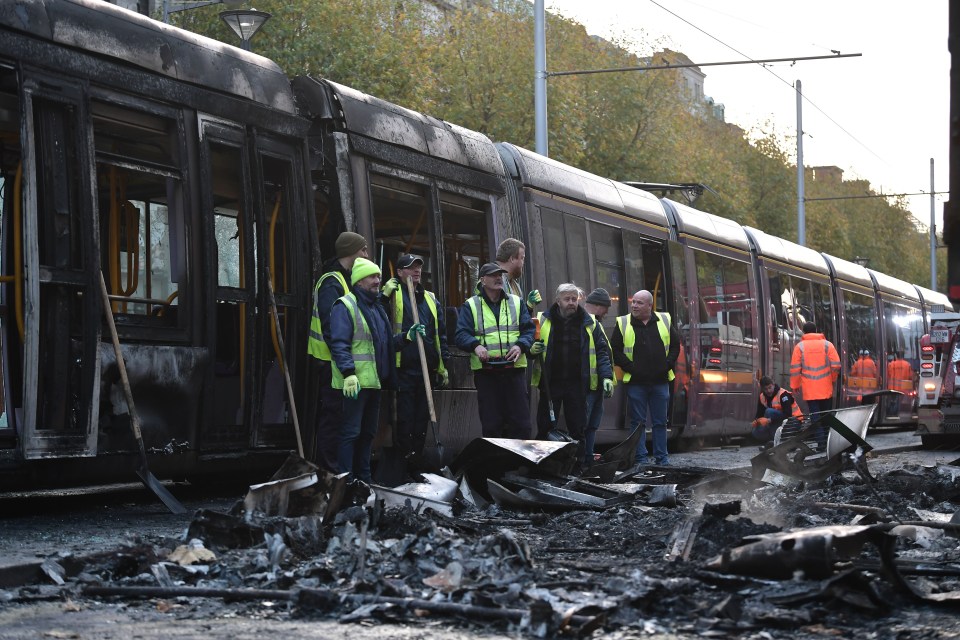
(878, 195)
(771, 72)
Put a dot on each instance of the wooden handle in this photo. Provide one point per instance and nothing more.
(283, 365)
(121, 366)
(412, 290)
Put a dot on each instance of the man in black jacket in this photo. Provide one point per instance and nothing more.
(645, 345)
(412, 410)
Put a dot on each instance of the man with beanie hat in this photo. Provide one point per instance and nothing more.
(331, 286)
(575, 360)
(597, 305)
(774, 405)
(362, 347)
(412, 409)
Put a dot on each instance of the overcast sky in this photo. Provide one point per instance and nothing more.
(880, 117)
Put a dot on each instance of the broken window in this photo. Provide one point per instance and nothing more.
(142, 234)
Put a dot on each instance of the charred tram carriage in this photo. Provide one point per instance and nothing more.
(191, 172)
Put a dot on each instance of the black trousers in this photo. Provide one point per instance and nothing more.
(503, 403)
(568, 396)
(413, 413)
(329, 419)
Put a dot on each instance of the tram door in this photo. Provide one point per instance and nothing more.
(57, 317)
(251, 233)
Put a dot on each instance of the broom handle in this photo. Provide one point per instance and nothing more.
(423, 354)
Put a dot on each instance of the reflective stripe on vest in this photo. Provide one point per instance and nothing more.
(362, 349)
(315, 343)
(496, 336)
(545, 337)
(630, 338)
(398, 323)
(774, 403)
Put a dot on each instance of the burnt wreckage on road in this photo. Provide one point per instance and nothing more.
(849, 555)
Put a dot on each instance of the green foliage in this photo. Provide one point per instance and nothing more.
(473, 65)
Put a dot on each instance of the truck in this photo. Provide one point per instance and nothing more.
(938, 392)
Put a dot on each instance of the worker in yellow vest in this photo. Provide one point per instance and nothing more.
(597, 304)
(574, 361)
(645, 345)
(412, 409)
(333, 283)
(495, 328)
(363, 349)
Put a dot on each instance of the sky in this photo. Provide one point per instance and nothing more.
(879, 117)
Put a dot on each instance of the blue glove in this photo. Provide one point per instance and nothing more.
(414, 330)
(533, 298)
(390, 287)
(607, 388)
(351, 387)
(537, 348)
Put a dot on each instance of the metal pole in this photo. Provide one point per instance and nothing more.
(166, 11)
(801, 221)
(933, 232)
(540, 78)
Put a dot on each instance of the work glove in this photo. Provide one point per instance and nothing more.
(760, 422)
(414, 330)
(537, 348)
(444, 378)
(607, 388)
(533, 298)
(351, 387)
(390, 287)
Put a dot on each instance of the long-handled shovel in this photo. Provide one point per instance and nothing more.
(424, 368)
(148, 478)
(283, 365)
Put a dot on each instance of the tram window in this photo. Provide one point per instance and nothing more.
(141, 222)
(465, 244)
(554, 245)
(277, 223)
(608, 263)
(903, 331)
(401, 224)
(726, 312)
(578, 260)
(823, 312)
(229, 231)
(861, 321)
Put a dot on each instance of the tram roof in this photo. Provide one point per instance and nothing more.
(108, 30)
(894, 286)
(849, 271)
(787, 252)
(931, 297)
(362, 114)
(707, 226)
(545, 174)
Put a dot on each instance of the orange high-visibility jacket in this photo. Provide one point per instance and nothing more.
(899, 375)
(863, 373)
(814, 367)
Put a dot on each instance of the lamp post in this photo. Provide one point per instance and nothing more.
(245, 23)
(863, 262)
(175, 6)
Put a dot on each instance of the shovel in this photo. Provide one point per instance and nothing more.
(148, 478)
(283, 365)
(424, 368)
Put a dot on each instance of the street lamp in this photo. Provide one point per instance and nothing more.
(863, 262)
(174, 6)
(245, 23)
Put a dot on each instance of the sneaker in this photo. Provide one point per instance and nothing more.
(765, 446)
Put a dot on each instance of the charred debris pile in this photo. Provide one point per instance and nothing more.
(506, 539)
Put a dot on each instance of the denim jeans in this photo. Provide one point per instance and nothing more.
(594, 415)
(816, 406)
(653, 398)
(360, 420)
(765, 434)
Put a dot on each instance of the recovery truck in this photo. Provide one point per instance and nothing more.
(938, 393)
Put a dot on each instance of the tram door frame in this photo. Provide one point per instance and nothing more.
(67, 426)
